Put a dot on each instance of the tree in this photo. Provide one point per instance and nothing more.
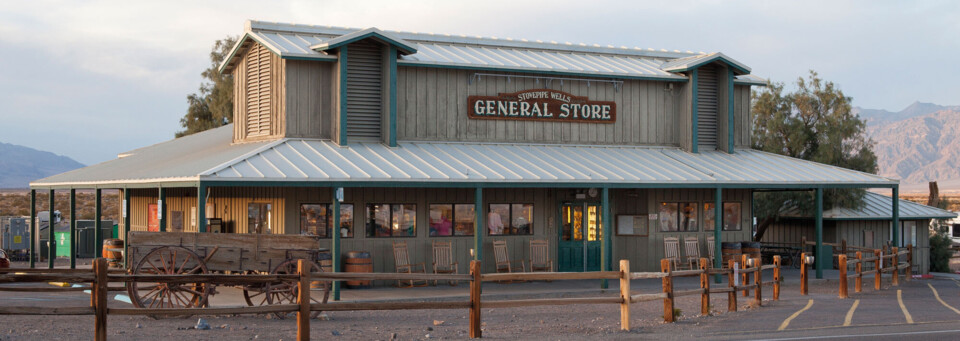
(212, 106)
(814, 123)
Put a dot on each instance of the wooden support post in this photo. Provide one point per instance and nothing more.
(97, 231)
(732, 295)
(625, 294)
(335, 252)
(843, 246)
(99, 291)
(776, 278)
(909, 272)
(895, 261)
(842, 265)
(803, 274)
(34, 230)
(73, 228)
(303, 299)
(705, 285)
(758, 280)
(859, 281)
(668, 290)
(744, 277)
(876, 281)
(51, 238)
(475, 331)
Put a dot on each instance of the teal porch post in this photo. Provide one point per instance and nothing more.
(896, 216)
(161, 209)
(73, 228)
(51, 239)
(34, 230)
(607, 242)
(126, 224)
(202, 208)
(478, 224)
(97, 232)
(820, 257)
(717, 227)
(335, 242)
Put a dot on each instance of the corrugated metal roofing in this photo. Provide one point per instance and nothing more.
(295, 41)
(688, 63)
(878, 206)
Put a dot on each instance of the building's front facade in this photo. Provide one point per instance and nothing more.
(602, 151)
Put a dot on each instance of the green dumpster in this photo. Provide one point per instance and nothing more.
(63, 243)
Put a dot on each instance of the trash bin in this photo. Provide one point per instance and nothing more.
(358, 261)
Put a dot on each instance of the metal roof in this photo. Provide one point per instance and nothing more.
(877, 207)
(692, 62)
(402, 45)
(307, 42)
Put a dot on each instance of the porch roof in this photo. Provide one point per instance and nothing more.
(877, 206)
(210, 157)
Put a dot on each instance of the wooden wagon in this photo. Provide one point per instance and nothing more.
(205, 253)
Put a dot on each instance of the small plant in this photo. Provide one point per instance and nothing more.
(940, 252)
(677, 312)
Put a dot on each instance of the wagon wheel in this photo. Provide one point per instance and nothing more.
(258, 294)
(169, 260)
(286, 292)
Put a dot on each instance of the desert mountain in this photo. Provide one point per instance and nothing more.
(920, 148)
(19, 165)
(876, 117)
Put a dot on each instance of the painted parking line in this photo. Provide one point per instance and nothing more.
(849, 318)
(903, 307)
(861, 336)
(787, 321)
(937, 295)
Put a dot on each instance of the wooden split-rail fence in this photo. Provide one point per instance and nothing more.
(883, 262)
(99, 277)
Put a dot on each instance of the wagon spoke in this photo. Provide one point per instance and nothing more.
(153, 265)
(163, 261)
(191, 291)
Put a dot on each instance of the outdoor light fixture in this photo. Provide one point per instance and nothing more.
(750, 262)
(809, 260)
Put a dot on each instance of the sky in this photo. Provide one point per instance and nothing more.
(91, 79)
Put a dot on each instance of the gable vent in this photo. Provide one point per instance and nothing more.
(707, 79)
(364, 91)
(258, 91)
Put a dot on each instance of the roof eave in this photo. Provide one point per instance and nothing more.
(402, 46)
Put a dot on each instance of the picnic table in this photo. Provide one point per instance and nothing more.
(786, 252)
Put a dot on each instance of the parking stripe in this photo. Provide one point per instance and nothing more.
(849, 318)
(903, 307)
(787, 321)
(937, 295)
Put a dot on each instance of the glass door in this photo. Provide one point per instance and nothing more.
(580, 237)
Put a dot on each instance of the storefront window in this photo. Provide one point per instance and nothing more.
(678, 217)
(258, 218)
(731, 216)
(510, 219)
(316, 220)
(667, 214)
(391, 220)
(451, 220)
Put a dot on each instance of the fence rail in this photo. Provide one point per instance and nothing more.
(883, 263)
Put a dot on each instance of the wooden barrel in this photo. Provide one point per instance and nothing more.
(358, 261)
(112, 244)
(751, 249)
(730, 250)
(326, 264)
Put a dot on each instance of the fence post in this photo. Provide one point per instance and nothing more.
(625, 294)
(744, 277)
(776, 277)
(803, 274)
(842, 265)
(475, 331)
(705, 285)
(758, 280)
(896, 266)
(732, 295)
(668, 290)
(909, 262)
(859, 280)
(303, 299)
(99, 290)
(876, 265)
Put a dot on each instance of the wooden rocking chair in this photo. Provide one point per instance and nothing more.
(443, 260)
(671, 251)
(692, 247)
(401, 260)
(503, 257)
(711, 244)
(540, 256)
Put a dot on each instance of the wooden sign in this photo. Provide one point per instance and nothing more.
(541, 105)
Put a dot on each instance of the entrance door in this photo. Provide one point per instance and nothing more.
(580, 237)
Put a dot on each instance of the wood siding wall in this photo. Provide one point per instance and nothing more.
(432, 105)
(684, 126)
(275, 87)
(743, 126)
(309, 103)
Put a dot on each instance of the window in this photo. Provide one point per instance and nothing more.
(258, 218)
(316, 220)
(510, 219)
(678, 217)
(451, 220)
(391, 220)
(731, 216)
(956, 230)
(908, 233)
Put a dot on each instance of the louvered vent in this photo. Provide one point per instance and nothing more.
(364, 91)
(258, 91)
(707, 80)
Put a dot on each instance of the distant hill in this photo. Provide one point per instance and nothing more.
(19, 165)
(921, 148)
(880, 116)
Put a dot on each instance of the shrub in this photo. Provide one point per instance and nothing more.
(940, 251)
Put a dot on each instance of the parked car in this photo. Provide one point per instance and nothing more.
(4, 262)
